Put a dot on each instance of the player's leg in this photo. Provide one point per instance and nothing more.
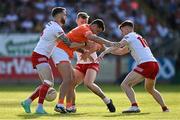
(131, 79)
(150, 88)
(89, 82)
(45, 73)
(78, 78)
(65, 69)
(61, 59)
(70, 105)
(26, 103)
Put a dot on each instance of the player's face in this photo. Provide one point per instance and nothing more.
(124, 30)
(62, 17)
(81, 21)
(95, 29)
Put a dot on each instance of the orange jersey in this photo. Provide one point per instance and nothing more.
(77, 34)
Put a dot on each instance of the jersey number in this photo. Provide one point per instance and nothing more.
(143, 41)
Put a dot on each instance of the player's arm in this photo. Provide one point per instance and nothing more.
(119, 45)
(106, 51)
(85, 54)
(70, 44)
(96, 47)
(103, 47)
(121, 51)
(80, 50)
(98, 39)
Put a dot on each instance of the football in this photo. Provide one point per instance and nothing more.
(51, 94)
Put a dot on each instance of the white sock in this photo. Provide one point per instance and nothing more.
(29, 101)
(60, 105)
(106, 100)
(40, 106)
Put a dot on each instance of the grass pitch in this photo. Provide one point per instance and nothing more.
(90, 107)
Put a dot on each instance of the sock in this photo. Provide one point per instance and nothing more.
(164, 108)
(61, 101)
(40, 106)
(134, 104)
(35, 94)
(106, 100)
(28, 101)
(42, 93)
(74, 106)
(68, 104)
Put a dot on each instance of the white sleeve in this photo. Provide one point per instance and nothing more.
(58, 31)
(127, 38)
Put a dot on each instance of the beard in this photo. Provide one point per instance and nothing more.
(63, 21)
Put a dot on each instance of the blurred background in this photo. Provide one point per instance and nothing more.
(21, 22)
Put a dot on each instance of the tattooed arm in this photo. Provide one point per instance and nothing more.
(98, 39)
(66, 40)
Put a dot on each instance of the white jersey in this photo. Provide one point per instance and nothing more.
(139, 48)
(79, 61)
(48, 38)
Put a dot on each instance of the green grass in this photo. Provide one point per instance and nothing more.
(90, 107)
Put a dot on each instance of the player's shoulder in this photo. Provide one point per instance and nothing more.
(84, 26)
(131, 35)
(53, 25)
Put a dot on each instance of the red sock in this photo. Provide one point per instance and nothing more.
(68, 104)
(61, 101)
(134, 104)
(35, 93)
(42, 92)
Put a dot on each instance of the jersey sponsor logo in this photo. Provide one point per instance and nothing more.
(139, 69)
(42, 59)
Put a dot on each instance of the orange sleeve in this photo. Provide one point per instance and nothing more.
(86, 31)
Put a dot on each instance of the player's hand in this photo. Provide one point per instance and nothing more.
(86, 55)
(89, 45)
(100, 57)
(85, 58)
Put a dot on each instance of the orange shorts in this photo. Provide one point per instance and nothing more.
(38, 58)
(84, 67)
(148, 69)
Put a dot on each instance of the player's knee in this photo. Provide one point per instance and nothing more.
(149, 89)
(123, 85)
(50, 83)
(87, 83)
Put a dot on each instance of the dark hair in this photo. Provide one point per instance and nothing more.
(83, 15)
(126, 23)
(99, 23)
(57, 10)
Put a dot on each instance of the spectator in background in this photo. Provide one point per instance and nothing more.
(37, 14)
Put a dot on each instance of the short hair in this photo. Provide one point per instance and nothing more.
(99, 23)
(126, 23)
(83, 15)
(57, 10)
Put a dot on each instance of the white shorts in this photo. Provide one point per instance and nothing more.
(60, 55)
